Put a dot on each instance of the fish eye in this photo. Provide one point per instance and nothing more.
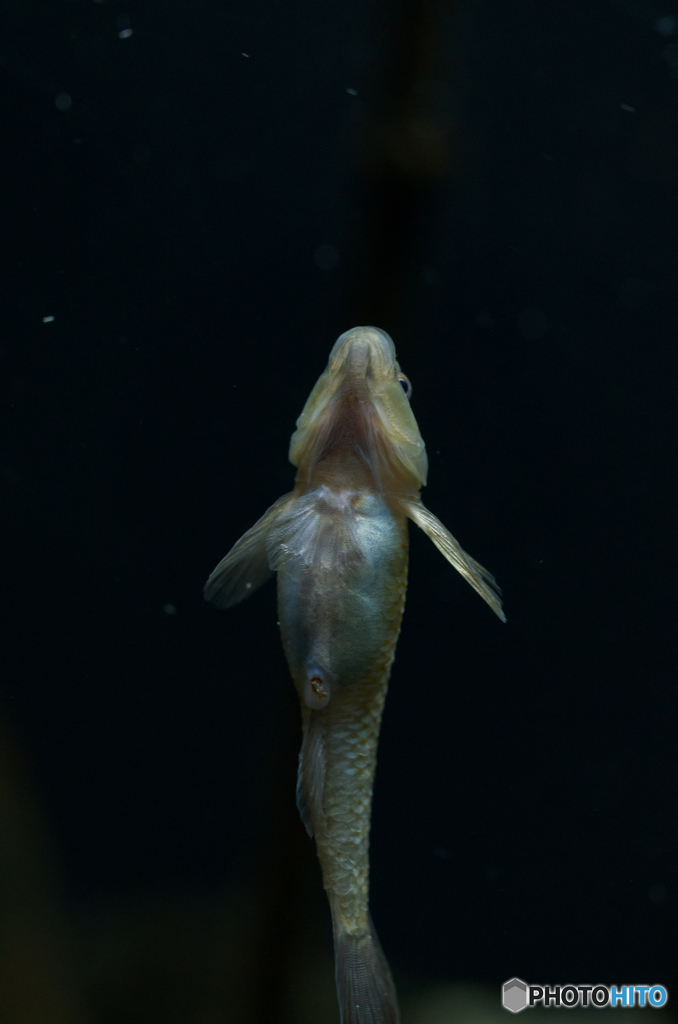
(405, 384)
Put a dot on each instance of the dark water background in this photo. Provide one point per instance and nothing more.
(201, 225)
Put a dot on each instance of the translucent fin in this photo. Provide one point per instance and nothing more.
(311, 774)
(473, 572)
(245, 567)
(365, 987)
(318, 529)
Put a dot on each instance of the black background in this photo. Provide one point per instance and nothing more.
(171, 222)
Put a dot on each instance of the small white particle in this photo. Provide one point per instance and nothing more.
(125, 33)
(244, 54)
(47, 319)
(352, 92)
(169, 609)
(627, 106)
(62, 101)
(248, 586)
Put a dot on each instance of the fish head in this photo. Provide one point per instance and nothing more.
(359, 413)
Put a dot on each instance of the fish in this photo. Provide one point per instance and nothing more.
(338, 543)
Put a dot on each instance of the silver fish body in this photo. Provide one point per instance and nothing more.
(339, 546)
(340, 618)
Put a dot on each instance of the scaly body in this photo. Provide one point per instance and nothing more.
(339, 545)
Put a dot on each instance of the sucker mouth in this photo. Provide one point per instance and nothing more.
(362, 347)
(358, 360)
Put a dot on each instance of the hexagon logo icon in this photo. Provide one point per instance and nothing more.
(514, 995)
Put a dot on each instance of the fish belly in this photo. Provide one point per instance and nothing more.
(342, 622)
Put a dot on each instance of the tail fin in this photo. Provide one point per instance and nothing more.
(365, 987)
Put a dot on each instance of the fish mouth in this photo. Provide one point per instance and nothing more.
(363, 363)
(358, 419)
(363, 352)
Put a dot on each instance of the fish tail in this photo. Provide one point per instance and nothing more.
(365, 987)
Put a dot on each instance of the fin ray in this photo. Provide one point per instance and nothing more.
(482, 581)
(318, 530)
(245, 568)
(365, 987)
(311, 773)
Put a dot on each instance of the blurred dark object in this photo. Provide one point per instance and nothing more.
(39, 980)
(411, 140)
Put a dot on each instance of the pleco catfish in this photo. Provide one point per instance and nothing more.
(338, 543)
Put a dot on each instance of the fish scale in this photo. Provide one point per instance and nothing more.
(353, 720)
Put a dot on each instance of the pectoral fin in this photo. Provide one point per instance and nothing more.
(319, 530)
(480, 579)
(245, 567)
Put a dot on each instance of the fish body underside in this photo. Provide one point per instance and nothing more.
(340, 616)
(338, 543)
